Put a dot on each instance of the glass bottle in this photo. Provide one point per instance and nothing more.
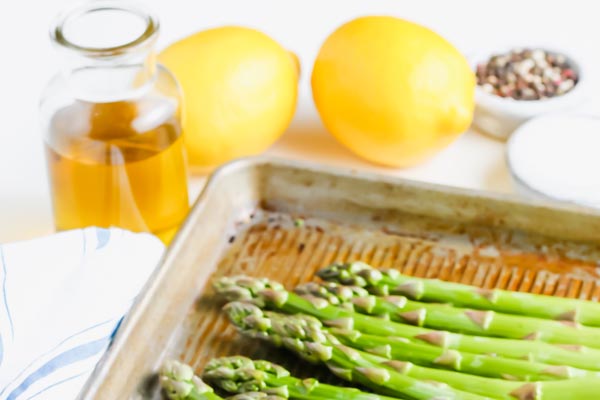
(111, 122)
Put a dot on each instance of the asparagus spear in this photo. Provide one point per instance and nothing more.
(237, 374)
(391, 281)
(441, 316)
(179, 383)
(304, 335)
(264, 292)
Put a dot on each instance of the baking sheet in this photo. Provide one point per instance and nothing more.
(244, 222)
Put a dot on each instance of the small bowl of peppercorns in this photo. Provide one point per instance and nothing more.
(518, 84)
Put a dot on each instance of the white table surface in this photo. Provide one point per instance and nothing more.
(474, 161)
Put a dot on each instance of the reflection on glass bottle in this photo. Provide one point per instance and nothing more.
(112, 128)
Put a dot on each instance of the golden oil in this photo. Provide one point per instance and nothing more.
(118, 164)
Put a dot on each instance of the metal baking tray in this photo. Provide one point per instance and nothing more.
(243, 222)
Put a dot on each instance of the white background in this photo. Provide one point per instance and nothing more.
(27, 62)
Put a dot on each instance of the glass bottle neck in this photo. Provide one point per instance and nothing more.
(106, 80)
(108, 48)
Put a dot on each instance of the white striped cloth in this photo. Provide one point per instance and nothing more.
(61, 300)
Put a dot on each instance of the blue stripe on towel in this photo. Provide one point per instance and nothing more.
(68, 357)
(54, 348)
(114, 332)
(56, 384)
(12, 329)
(103, 236)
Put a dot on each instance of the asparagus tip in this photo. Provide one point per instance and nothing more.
(246, 288)
(275, 296)
(178, 380)
(246, 316)
(352, 273)
(239, 374)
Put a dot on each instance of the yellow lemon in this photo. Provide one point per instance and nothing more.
(392, 91)
(240, 90)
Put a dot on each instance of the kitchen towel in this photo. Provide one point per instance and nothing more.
(62, 299)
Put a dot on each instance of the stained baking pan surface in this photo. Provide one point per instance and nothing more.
(284, 220)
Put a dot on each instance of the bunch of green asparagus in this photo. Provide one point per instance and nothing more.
(250, 380)
(415, 338)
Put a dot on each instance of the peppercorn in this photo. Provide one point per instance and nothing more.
(527, 74)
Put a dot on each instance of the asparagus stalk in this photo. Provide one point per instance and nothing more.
(441, 316)
(304, 335)
(264, 292)
(238, 374)
(393, 282)
(179, 383)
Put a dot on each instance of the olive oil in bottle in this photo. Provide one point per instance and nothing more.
(112, 128)
(118, 164)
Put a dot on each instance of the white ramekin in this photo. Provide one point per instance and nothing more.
(553, 158)
(500, 116)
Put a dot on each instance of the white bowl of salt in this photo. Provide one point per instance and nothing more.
(557, 157)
